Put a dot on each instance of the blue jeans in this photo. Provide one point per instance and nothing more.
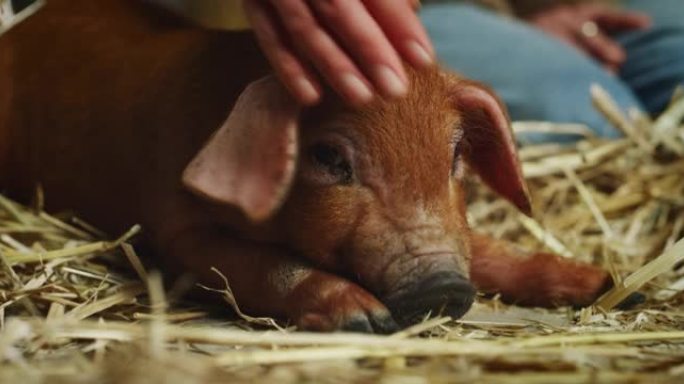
(540, 78)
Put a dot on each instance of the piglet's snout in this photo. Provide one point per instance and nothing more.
(447, 293)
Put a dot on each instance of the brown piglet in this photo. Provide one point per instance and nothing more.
(336, 218)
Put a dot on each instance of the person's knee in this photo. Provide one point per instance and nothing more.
(664, 13)
(563, 96)
(670, 73)
(655, 65)
(542, 79)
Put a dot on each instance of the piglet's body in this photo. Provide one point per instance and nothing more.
(332, 217)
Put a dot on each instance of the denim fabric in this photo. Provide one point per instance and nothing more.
(655, 64)
(540, 78)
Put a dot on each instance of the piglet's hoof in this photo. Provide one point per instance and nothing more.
(326, 303)
(379, 321)
(629, 302)
(443, 293)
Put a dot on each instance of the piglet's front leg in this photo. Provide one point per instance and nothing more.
(533, 279)
(266, 280)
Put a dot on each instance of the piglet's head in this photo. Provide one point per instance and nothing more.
(373, 193)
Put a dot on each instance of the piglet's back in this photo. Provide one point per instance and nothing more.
(110, 100)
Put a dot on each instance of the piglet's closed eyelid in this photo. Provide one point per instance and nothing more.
(329, 165)
(329, 159)
(335, 138)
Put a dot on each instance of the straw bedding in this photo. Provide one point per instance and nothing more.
(75, 308)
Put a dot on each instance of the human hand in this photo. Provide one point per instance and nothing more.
(588, 27)
(356, 46)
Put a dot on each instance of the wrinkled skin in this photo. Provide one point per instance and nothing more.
(335, 218)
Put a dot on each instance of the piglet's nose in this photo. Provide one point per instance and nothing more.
(443, 293)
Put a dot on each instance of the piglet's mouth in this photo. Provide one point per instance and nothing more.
(442, 293)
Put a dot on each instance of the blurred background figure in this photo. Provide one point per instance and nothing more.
(542, 56)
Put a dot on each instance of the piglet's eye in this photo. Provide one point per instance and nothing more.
(330, 160)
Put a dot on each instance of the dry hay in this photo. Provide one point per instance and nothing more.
(77, 309)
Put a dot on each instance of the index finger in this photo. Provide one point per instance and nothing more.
(611, 19)
(403, 28)
(621, 20)
(364, 40)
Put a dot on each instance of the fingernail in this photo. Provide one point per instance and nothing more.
(420, 54)
(390, 82)
(306, 90)
(356, 88)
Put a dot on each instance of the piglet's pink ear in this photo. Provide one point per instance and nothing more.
(249, 162)
(492, 150)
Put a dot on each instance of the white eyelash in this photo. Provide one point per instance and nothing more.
(456, 137)
(459, 167)
(457, 158)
